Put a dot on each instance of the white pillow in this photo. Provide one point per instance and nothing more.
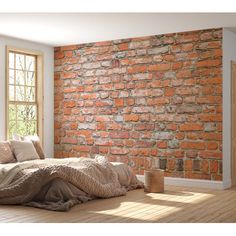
(24, 150)
(17, 137)
(30, 138)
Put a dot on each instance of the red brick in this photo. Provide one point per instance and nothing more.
(123, 46)
(171, 127)
(157, 101)
(169, 92)
(59, 55)
(216, 80)
(212, 145)
(187, 47)
(191, 127)
(184, 74)
(159, 67)
(205, 166)
(81, 148)
(144, 126)
(68, 75)
(119, 86)
(180, 136)
(193, 145)
(118, 151)
(101, 126)
(210, 118)
(171, 164)
(214, 166)
(102, 103)
(70, 140)
(210, 154)
(145, 144)
(188, 165)
(119, 134)
(70, 90)
(88, 96)
(192, 153)
(177, 154)
(68, 53)
(162, 144)
(211, 136)
(130, 101)
(209, 63)
(137, 69)
(69, 104)
(176, 65)
(210, 99)
(131, 117)
(192, 135)
(119, 102)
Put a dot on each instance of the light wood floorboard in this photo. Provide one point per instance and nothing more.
(176, 204)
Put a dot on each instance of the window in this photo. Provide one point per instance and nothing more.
(24, 93)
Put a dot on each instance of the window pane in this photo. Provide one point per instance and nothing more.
(11, 77)
(31, 127)
(30, 63)
(11, 60)
(30, 94)
(20, 80)
(20, 62)
(12, 128)
(26, 127)
(21, 128)
(12, 112)
(21, 112)
(26, 112)
(30, 79)
(20, 93)
(32, 112)
(11, 93)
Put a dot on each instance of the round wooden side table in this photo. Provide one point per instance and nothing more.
(154, 181)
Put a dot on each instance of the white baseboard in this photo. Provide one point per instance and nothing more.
(227, 184)
(199, 183)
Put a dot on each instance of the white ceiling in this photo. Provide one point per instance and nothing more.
(58, 29)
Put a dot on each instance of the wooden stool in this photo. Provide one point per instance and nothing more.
(154, 181)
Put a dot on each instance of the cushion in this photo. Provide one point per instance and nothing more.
(38, 149)
(17, 137)
(36, 142)
(6, 154)
(24, 150)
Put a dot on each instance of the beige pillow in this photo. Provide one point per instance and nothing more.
(36, 142)
(34, 139)
(24, 150)
(38, 148)
(6, 154)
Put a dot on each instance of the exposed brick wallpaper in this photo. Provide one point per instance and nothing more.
(143, 101)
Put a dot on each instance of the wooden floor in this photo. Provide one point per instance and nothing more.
(177, 204)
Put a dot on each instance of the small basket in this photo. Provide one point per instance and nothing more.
(154, 181)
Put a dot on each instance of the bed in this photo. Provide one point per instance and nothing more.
(59, 184)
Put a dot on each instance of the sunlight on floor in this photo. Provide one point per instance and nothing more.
(155, 206)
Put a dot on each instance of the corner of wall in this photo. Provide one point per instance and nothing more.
(229, 54)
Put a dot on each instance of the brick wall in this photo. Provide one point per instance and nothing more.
(143, 101)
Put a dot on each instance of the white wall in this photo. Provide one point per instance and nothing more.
(229, 54)
(48, 87)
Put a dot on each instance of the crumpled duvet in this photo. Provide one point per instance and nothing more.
(59, 184)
